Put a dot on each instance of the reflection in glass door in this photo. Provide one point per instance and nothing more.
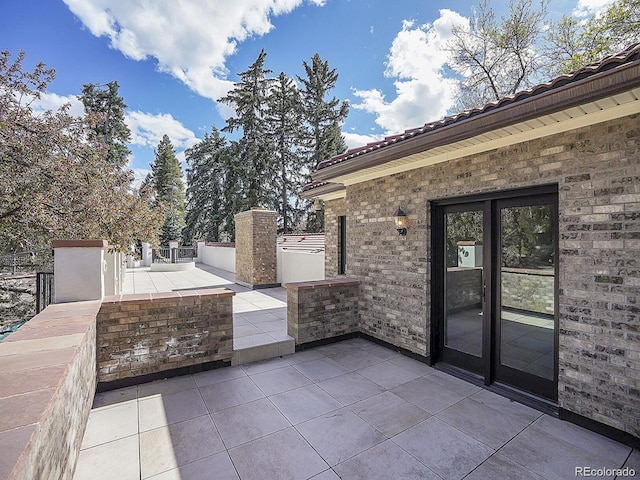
(527, 285)
(463, 316)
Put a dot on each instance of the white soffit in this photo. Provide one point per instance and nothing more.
(609, 108)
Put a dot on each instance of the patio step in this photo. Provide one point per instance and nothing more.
(263, 352)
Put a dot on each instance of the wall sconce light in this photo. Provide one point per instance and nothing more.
(402, 222)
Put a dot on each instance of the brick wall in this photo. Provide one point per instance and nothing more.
(527, 289)
(597, 170)
(256, 263)
(147, 333)
(322, 309)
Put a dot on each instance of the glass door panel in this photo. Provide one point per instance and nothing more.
(463, 319)
(527, 289)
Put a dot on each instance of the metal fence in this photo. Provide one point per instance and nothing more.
(44, 290)
(173, 255)
(13, 263)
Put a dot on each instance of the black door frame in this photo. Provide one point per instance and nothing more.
(490, 206)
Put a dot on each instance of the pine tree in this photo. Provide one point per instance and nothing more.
(252, 152)
(323, 117)
(208, 177)
(106, 109)
(286, 132)
(166, 179)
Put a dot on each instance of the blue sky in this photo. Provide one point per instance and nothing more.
(173, 59)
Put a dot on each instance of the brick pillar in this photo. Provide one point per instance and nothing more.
(256, 265)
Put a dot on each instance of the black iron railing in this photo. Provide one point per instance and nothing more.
(44, 290)
(173, 255)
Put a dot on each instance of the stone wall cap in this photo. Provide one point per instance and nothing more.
(80, 244)
(331, 282)
(167, 297)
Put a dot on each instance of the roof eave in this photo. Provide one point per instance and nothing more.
(594, 87)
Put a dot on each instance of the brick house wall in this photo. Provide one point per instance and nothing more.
(333, 209)
(597, 170)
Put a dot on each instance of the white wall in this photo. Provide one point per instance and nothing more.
(223, 258)
(299, 266)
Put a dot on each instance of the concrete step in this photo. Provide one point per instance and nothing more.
(263, 352)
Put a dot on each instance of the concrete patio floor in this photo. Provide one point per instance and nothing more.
(351, 410)
(259, 316)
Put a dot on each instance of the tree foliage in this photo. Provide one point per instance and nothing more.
(209, 211)
(56, 180)
(106, 107)
(497, 57)
(166, 183)
(252, 152)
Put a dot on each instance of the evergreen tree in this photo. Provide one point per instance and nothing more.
(286, 131)
(166, 180)
(252, 152)
(106, 109)
(208, 177)
(323, 117)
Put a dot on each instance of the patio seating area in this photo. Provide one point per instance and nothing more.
(351, 410)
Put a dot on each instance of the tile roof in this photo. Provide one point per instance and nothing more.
(628, 55)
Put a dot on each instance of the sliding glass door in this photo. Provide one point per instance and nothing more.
(495, 272)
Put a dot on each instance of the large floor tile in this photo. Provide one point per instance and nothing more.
(248, 422)
(444, 449)
(326, 475)
(583, 438)
(428, 395)
(339, 435)
(350, 388)
(265, 365)
(305, 403)
(166, 448)
(304, 356)
(388, 375)
(118, 459)
(550, 456)
(279, 380)
(281, 455)
(115, 397)
(381, 351)
(230, 393)
(454, 384)
(321, 369)
(357, 360)
(218, 375)
(382, 462)
(498, 466)
(506, 405)
(108, 424)
(491, 427)
(164, 387)
(412, 365)
(389, 413)
(218, 466)
(160, 410)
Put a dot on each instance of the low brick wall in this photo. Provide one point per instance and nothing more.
(144, 334)
(47, 385)
(464, 287)
(322, 309)
(528, 289)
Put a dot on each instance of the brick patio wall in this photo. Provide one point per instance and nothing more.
(597, 170)
(322, 309)
(143, 334)
(528, 289)
(47, 385)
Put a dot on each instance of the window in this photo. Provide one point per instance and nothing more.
(342, 245)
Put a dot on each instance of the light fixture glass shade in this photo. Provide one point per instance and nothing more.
(401, 220)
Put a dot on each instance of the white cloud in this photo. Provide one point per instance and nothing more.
(147, 130)
(190, 40)
(53, 101)
(355, 140)
(416, 60)
(586, 8)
